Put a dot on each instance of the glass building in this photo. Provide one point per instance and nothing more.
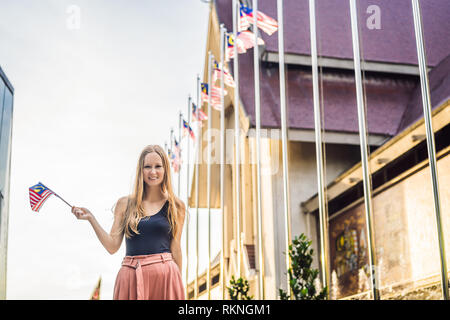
(6, 116)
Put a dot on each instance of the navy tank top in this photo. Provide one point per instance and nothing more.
(154, 235)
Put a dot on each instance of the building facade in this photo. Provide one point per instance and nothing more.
(402, 197)
(6, 120)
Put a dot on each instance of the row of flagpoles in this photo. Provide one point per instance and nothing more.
(230, 46)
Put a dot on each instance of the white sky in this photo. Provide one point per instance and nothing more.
(87, 101)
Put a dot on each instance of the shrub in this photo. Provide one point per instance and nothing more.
(239, 289)
(302, 277)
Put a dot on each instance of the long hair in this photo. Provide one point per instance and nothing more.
(135, 210)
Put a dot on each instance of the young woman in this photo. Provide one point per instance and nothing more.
(152, 220)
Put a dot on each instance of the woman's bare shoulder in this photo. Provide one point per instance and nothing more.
(121, 205)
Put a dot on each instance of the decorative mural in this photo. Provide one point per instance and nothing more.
(348, 253)
(406, 241)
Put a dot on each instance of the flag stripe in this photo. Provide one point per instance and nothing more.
(41, 202)
(35, 198)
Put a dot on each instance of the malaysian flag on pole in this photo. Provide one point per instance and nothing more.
(201, 115)
(215, 94)
(96, 294)
(205, 96)
(177, 147)
(245, 20)
(188, 130)
(264, 22)
(38, 194)
(229, 52)
(248, 39)
(227, 77)
(245, 40)
(174, 160)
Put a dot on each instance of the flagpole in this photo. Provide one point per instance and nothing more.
(198, 157)
(284, 139)
(208, 188)
(323, 214)
(171, 144)
(171, 139)
(179, 159)
(364, 153)
(258, 152)
(222, 159)
(187, 199)
(237, 137)
(56, 194)
(426, 103)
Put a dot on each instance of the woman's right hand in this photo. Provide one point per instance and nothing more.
(82, 213)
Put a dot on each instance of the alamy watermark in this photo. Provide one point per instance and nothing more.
(73, 21)
(270, 149)
(374, 20)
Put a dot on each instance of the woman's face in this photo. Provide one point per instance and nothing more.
(153, 169)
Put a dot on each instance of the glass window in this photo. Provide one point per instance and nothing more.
(5, 138)
(2, 93)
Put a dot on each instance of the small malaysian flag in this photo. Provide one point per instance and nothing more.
(227, 77)
(174, 160)
(38, 194)
(229, 52)
(215, 95)
(205, 97)
(264, 22)
(96, 294)
(201, 115)
(245, 20)
(248, 39)
(188, 130)
(177, 147)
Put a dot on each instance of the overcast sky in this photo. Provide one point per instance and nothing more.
(95, 82)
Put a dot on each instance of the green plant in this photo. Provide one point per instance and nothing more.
(301, 275)
(239, 289)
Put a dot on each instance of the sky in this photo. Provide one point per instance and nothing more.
(95, 82)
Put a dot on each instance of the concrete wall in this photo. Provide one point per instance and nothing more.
(303, 185)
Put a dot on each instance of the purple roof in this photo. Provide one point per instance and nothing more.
(439, 80)
(394, 42)
(387, 98)
(393, 101)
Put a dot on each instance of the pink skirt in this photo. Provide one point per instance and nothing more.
(149, 277)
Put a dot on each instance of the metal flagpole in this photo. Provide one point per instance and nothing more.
(237, 135)
(323, 214)
(426, 102)
(222, 159)
(258, 152)
(179, 146)
(284, 138)
(187, 199)
(364, 147)
(208, 183)
(196, 188)
(57, 195)
(171, 143)
(171, 139)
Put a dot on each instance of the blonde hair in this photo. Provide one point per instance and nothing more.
(135, 210)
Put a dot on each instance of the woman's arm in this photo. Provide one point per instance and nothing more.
(175, 245)
(113, 240)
